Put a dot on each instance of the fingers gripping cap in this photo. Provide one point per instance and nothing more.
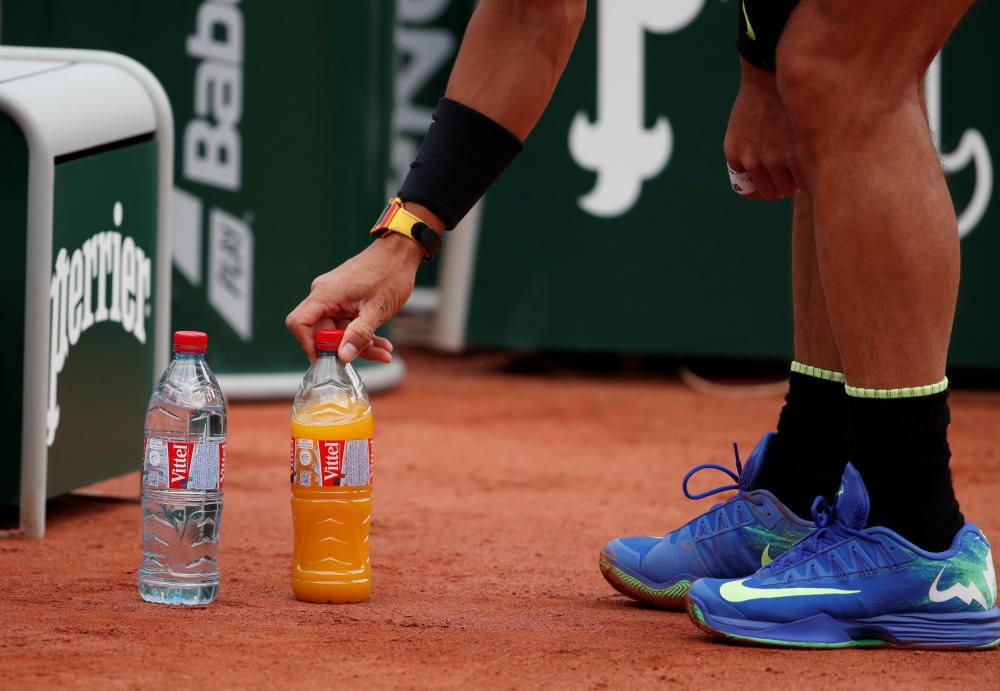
(190, 341)
(329, 339)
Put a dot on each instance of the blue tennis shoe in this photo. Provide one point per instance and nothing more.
(734, 538)
(848, 585)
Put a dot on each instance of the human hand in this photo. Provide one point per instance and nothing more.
(359, 296)
(759, 138)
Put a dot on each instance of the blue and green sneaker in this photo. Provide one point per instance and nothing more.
(734, 538)
(848, 585)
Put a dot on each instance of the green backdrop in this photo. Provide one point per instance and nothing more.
(307, 89)
(675, 264)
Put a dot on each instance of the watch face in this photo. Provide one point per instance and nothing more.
(386, 216)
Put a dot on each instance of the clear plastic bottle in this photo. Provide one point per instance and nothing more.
(331, 471)
(182, 474)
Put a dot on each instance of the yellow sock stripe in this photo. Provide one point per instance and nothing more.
(905, 392)
(810, 371)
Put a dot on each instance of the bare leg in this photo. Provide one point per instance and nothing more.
(814, 341)
(850, 75)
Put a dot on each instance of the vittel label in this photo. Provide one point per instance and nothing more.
(183, 465)
(331, 463)
(107, 279)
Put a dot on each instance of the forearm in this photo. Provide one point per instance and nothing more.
(512, 57)
(510, 60)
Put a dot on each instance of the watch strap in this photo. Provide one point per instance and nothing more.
(395, 219)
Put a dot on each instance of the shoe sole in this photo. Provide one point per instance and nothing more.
(697, 616)
(671, 597)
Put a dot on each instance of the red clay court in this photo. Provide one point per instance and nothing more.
(494, 493)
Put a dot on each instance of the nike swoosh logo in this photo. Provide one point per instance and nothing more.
(765, 558)
(735, 591)
(749, 32)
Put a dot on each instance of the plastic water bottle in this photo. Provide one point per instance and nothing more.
(182, 472)
(331, 474)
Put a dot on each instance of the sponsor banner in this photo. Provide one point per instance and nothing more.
(108, 278)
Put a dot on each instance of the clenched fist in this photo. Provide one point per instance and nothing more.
(759, 138)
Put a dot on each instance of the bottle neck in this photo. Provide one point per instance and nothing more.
(326, 364)
(325, 353)
(180, 355)
(329, 386)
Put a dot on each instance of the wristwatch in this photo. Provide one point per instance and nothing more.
(396, 219)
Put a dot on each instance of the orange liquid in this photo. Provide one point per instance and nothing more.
(330, 561)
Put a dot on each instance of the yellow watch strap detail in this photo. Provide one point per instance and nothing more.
(396, 219)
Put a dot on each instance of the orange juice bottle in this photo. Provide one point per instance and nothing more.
(331, 480)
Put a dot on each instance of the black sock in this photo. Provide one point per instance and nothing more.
(900, 448)
(807, 457)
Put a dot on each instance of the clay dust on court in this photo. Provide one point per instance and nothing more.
(494, 493)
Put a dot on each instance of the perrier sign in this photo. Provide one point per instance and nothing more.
(101, 307)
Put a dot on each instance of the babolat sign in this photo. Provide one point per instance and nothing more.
(212, 159)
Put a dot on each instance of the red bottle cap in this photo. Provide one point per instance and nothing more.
(329, 339)
(190, 342)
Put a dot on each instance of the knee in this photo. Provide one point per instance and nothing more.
(817, 90)
(831, 81)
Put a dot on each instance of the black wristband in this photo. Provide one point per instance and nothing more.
(760, 25)
(463, 153)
